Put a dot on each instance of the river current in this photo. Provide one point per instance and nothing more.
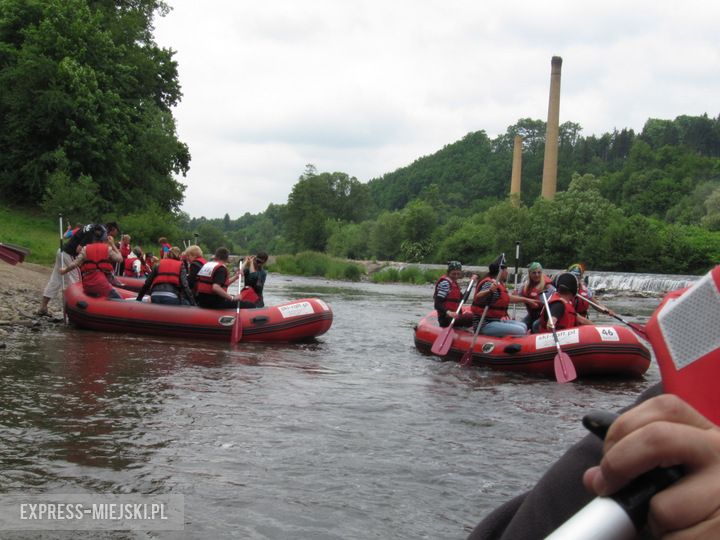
(354, 436)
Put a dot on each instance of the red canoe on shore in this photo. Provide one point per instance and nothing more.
(606, 350)
(300, 320)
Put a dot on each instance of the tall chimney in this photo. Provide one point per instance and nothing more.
(516, 172)
(552, 136)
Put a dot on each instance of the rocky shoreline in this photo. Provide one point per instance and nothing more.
(22, 287)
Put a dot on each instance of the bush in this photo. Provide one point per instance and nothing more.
(312, 263)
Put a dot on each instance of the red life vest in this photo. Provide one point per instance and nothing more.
(204, 277)
(581, 306)
(97, 259)
(248, 294)
(128, 265)
(452, 300)
(168, 271)
(534, 293)
(569, 318)
(498, 309)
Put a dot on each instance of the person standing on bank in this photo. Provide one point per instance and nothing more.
(447, 297)
(65, 257)
(491, 292)
(212, 281)
(96, 261)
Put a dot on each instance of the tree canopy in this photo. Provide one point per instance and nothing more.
(86, 102)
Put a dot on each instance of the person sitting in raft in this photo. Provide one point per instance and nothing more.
(195, 261)
(168, 282)
(491, 292)
(134, 265)
(96, 262)
(255, 275)
(562, 305)
(212, 282)
(150, 262)
(447, 297)
(537, 282)
(581, 306)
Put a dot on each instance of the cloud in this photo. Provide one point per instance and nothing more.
(370, 86)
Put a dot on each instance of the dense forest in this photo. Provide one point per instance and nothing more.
(88, 130)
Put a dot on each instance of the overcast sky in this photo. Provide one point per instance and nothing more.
(367, 86)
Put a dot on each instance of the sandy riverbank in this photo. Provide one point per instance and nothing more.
(20, 291)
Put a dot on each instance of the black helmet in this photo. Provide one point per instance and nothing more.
(566, 282)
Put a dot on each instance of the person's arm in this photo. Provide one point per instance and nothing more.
(515, 298)
(186, 286)
(488, 288)
(219, 281)
(147, 285)
(557, 496)
(662, 432)
(75, 264)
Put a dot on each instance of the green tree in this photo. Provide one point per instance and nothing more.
(87, 93)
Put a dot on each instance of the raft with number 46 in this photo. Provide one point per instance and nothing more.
(595, 350)
(299, 320)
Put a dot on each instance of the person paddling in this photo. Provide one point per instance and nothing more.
(537, 283)
(562, 305)
(491, 292)
(447, 296)
(212, 282)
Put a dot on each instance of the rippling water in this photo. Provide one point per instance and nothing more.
(355, 436)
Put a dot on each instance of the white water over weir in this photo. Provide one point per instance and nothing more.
(601, 282)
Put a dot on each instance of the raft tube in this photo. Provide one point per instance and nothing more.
(595, 350)
(300, 320)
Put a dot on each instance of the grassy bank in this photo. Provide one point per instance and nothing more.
(409, 274)
(311, 263)
(31, 230)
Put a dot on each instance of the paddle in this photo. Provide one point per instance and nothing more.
(236, 334)
(62, 267)
(467, 357)
(564, 368)
(637, 328)
(444, 340)
(517, 257)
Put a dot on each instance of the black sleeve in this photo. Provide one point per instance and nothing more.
(186, 287)
(557, 310)
(221, 276)
(555, 498)
(148, 283)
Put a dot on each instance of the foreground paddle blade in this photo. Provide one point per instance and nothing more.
(683, 332)
(564, 368)
(443, 342)
(466, 359)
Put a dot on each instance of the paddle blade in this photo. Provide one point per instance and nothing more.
(236, 331)
(564, 368)
(443, 342)
(639, 329)
(683, 332)
(466, 359)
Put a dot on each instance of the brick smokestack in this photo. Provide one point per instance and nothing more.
(516, 172)
(552, 136)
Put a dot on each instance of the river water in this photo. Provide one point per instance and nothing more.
(354, 436)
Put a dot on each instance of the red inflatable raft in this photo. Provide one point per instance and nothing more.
(294, 321)
(595, 350)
